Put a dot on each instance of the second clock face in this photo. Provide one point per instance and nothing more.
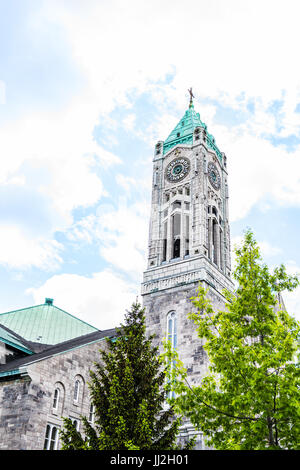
(213, 175)
(177, 169)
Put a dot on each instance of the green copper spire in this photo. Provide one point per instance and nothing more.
(184, 131)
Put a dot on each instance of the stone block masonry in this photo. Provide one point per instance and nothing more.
(27, 402)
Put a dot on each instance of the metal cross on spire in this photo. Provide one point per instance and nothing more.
(191, 96)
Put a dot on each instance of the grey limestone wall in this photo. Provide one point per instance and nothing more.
(26, 404)
(189, 345)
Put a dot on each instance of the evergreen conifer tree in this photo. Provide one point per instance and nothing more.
(128, 395)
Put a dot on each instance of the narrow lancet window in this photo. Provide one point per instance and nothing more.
(56, 399)
(176, 235)
(187, 235)
(172, 337)
(164, 255)
(172, 329)
(76, 390)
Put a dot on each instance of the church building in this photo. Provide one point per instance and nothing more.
(46, 353)
(45, 359)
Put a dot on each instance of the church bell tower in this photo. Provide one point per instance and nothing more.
(189, 236)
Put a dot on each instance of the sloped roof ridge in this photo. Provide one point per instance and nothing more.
(27, 344)
(58, 348)
(49, 306)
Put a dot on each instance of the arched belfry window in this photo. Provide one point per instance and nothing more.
(176, 226)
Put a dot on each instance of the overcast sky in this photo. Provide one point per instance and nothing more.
(87, 88)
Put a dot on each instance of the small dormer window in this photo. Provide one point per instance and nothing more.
(178, 134)
(182, 123)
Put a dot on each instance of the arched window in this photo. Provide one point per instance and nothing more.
(76, 390)
(165, 241)
(51, 437)
(176, 228)
(187, 235)
(56, 398)
(172, 329)
(76, 423)
(92, 413)
(172, 337)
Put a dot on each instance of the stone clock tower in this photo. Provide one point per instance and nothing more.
(189, 237)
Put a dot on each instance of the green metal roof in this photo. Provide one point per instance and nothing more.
(183, 132)
(45, 324)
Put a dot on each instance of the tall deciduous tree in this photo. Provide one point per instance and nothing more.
(127, 391)
(250, 398)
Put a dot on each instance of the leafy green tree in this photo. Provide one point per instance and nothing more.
(250, 399)
(128, 395)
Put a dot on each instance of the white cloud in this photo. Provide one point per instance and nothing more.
(100, 300)
(126, 182)
(60, 147)
(236, 61)
(129, 122)
(18, 250)
(120, 232)
(258, 170)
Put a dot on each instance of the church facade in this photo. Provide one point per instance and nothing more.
(189, 240)
(46, 354)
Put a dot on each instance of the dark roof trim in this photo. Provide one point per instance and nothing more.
(16, 346)
(57, 349)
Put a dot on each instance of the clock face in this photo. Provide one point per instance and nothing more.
(177, 169)
(214, 176)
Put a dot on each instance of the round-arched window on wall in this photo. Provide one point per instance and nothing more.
(78, 389)
(172, 329)
(172, 337)
(56, 398)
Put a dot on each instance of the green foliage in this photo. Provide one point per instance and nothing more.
(127, 391)
(250, 397)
